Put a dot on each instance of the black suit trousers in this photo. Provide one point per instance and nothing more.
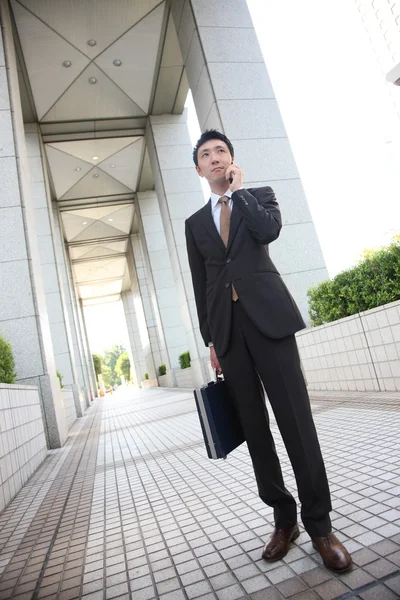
(252, 357)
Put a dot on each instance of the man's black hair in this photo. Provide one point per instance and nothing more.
(211, 134)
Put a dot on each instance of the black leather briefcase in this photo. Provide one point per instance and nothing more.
(219, 421)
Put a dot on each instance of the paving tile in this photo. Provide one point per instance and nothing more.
(364, 556)
(394, 584)
(381, 568)
(233, 592)
(292, 586)
(223, 580)
(268, 594)
(308, 595)
(357, 578)
(254, 584)
(379, 592)
(331, 589)
(316, 576)
(197, 589)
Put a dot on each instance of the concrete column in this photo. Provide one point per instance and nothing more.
(23, 315)
(92, 372)
(142, 309)
(161, 280)
(138, 363)
(62, 262)
(54, 295)
(232, 92)
(179, 194)
(71, 294)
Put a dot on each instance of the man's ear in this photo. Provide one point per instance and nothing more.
(198, 171)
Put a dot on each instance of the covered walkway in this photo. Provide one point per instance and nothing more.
(131, 507)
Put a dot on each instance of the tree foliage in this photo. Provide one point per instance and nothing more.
(374, 281)
(7, 364)
(109, 360)
(98, 364)
(123, 366)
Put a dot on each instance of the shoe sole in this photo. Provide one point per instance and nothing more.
(292, 539)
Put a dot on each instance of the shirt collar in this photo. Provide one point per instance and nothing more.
(216, 197)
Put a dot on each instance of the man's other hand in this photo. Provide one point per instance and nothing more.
(214, 361)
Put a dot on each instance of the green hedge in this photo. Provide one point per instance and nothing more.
(184, 360)
(374, 281)
(146, 376)
(162, 370)
(7, 364)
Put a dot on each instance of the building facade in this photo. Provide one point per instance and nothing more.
(381, 19)
(97, 178)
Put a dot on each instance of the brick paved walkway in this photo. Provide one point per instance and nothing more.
(132, 508)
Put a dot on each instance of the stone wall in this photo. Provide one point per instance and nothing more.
(358, 353)
(22, 438)
(69, 405)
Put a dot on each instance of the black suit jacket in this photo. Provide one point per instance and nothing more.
(245, 262)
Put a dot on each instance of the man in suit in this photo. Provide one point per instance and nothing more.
(248, 319)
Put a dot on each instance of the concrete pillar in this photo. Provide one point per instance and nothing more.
(136, 356)
(57, 312)
(23, 315)
(73, 307)
(179, 194)
(161, 280)
(141, 310)
(63, 262)
(232, 92)
(92, 372)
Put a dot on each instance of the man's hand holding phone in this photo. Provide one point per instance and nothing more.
(234, 175)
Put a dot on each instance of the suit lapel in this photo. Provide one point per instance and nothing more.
(235, 222)
(209, 224)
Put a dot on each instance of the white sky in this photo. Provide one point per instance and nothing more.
(340, 121)
(341, 124)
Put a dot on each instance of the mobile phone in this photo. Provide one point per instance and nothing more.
(231, 177)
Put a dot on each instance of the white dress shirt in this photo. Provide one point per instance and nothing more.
(216, 207)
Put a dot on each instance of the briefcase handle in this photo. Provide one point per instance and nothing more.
(218, 377)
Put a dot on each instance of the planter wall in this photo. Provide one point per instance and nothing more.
(69, 405)
(184, 378)
(358, 353)
(149, 383)
(22, 438)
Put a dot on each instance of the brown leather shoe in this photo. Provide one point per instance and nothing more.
(334, 554)
(279, 543)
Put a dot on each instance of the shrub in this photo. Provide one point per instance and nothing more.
(146, 376)
(374, 281)
(184, 360)
(7, 364)
(60, 377)
(162, 370)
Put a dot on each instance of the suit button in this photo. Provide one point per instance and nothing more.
(227, 285)
(228, 260)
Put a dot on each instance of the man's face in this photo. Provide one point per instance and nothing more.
(213, 158)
